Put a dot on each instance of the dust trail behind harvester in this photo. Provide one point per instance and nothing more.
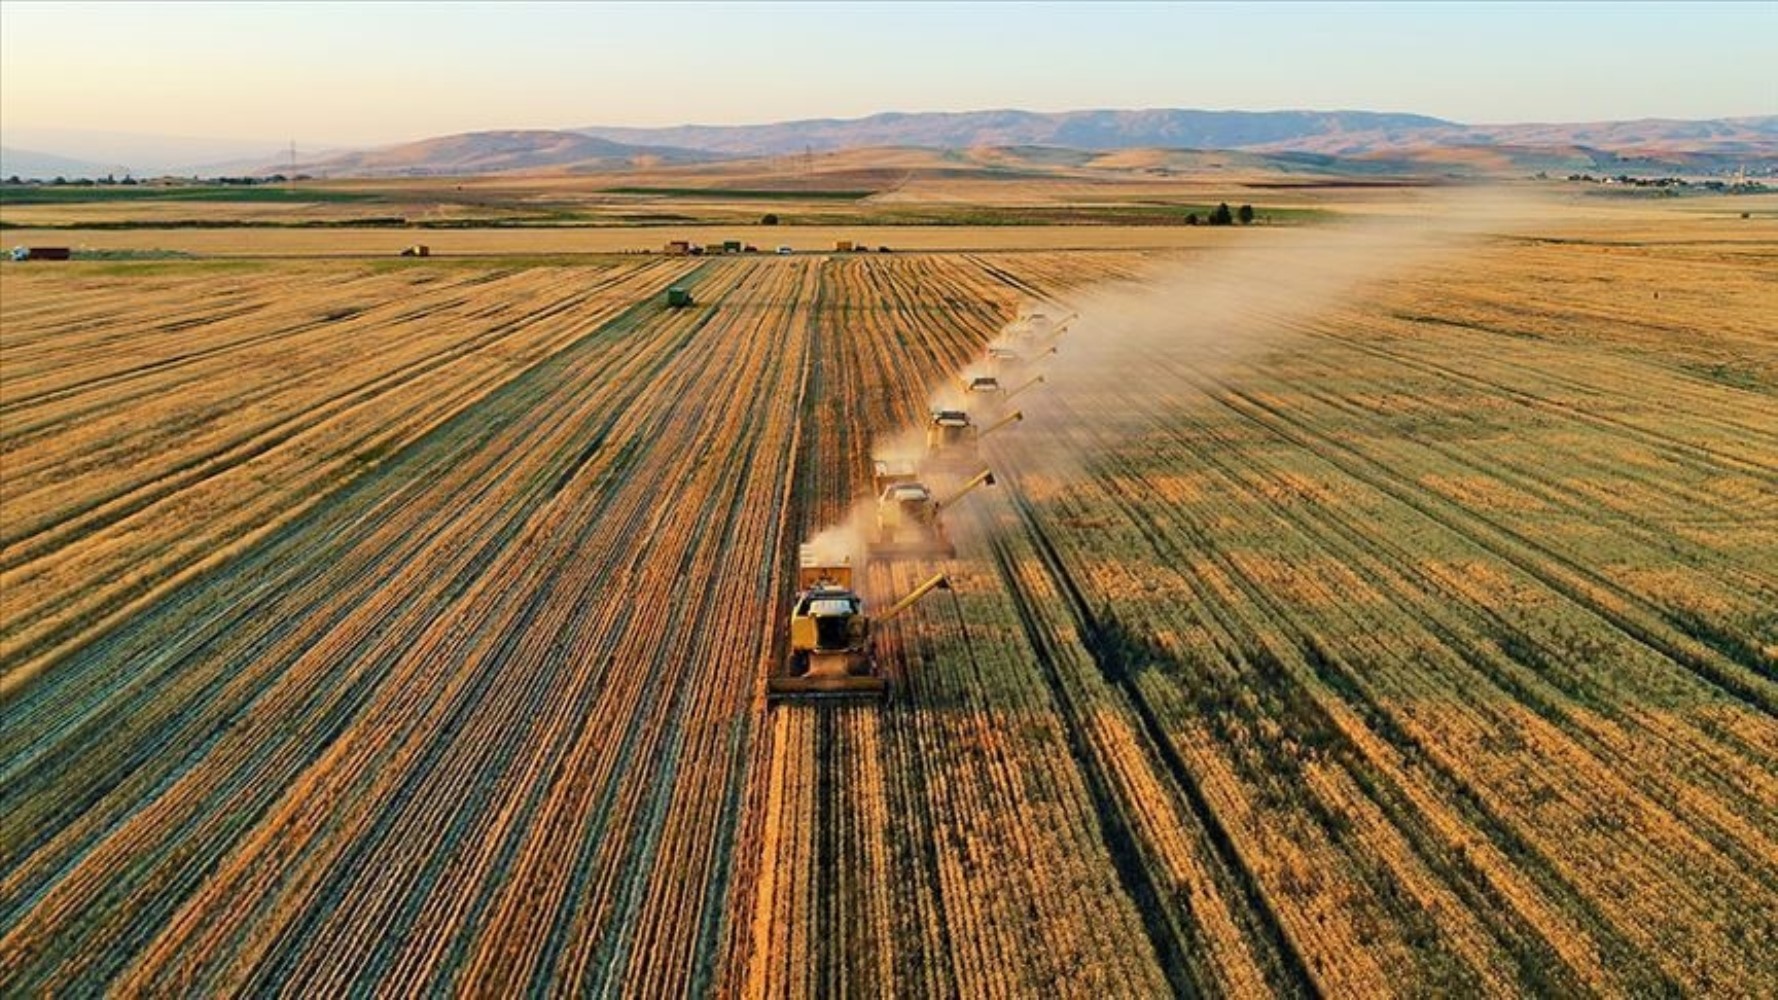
(843, 542)
(1119, 367)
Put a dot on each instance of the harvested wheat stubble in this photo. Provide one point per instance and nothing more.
(402, 629)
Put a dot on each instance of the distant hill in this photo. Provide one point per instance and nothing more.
(1335, 141)
(1583, 145)
(139, 154)
(1757, 136)
(1332, 142)
(33, 165)
(499, 152)
(1089, 130)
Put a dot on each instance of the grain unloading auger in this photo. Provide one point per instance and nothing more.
(832, 656)
(910, 522)
(1008, 397)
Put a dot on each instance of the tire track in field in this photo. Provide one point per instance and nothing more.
(1533, 962)
(1752, 589)
(1469, 628)
(1733, 671)
(205, 314)
(1584, 586)
(1172, 937)
(1690, 449)
(46, 701)
(105, 509)
(477, 564)
(1211, 457)
(194, 474)
(141, 386)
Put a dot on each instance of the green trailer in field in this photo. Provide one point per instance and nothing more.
(678, 297)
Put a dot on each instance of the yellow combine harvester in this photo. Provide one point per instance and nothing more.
(909, 524)
(993, 393)
(1009, 360)
(1037, 329)
(985, 387)
(831, 652)
(952, 438)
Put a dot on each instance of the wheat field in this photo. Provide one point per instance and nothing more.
(400, 626)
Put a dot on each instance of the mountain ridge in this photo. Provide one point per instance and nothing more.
(497, 151)
(1362, 139)
(1092, 129)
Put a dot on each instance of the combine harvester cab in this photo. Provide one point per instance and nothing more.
(886, 472)
(831, 655)
(983, 387)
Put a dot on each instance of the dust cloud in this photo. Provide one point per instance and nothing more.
(1118, 367)
(1115, 368)
(844, 543)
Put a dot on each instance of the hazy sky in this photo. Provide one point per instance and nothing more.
(369, 73)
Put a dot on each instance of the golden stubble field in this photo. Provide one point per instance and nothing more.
(1353, 616)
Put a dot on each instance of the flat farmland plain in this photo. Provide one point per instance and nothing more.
(401, 626)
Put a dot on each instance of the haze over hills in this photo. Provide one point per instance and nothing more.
(1337, 141)
(37, 152)
(30, 163)
(1346, 133)
(1722, 136)
(1099, 129)
(499, 152)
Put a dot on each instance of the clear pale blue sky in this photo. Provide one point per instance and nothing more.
(365, 73)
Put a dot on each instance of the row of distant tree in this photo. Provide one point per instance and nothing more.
(112, 180)
(1222, 216)
(106, 181)
(1733, 187)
